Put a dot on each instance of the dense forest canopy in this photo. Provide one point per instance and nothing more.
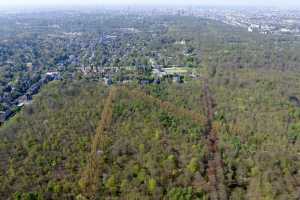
(105, 116)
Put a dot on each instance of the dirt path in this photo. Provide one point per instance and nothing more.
(167, 106)
(217, 188)
(90, 181)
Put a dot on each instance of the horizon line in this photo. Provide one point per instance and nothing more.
(85, 5)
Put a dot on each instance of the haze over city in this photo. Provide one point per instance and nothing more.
(279, 3)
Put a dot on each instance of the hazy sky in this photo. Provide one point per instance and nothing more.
(140, 2)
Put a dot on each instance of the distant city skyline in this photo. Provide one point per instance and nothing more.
(277, 3)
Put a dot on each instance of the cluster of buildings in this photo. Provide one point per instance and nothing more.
(266, 20)
(261, 20)
(12, 105)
